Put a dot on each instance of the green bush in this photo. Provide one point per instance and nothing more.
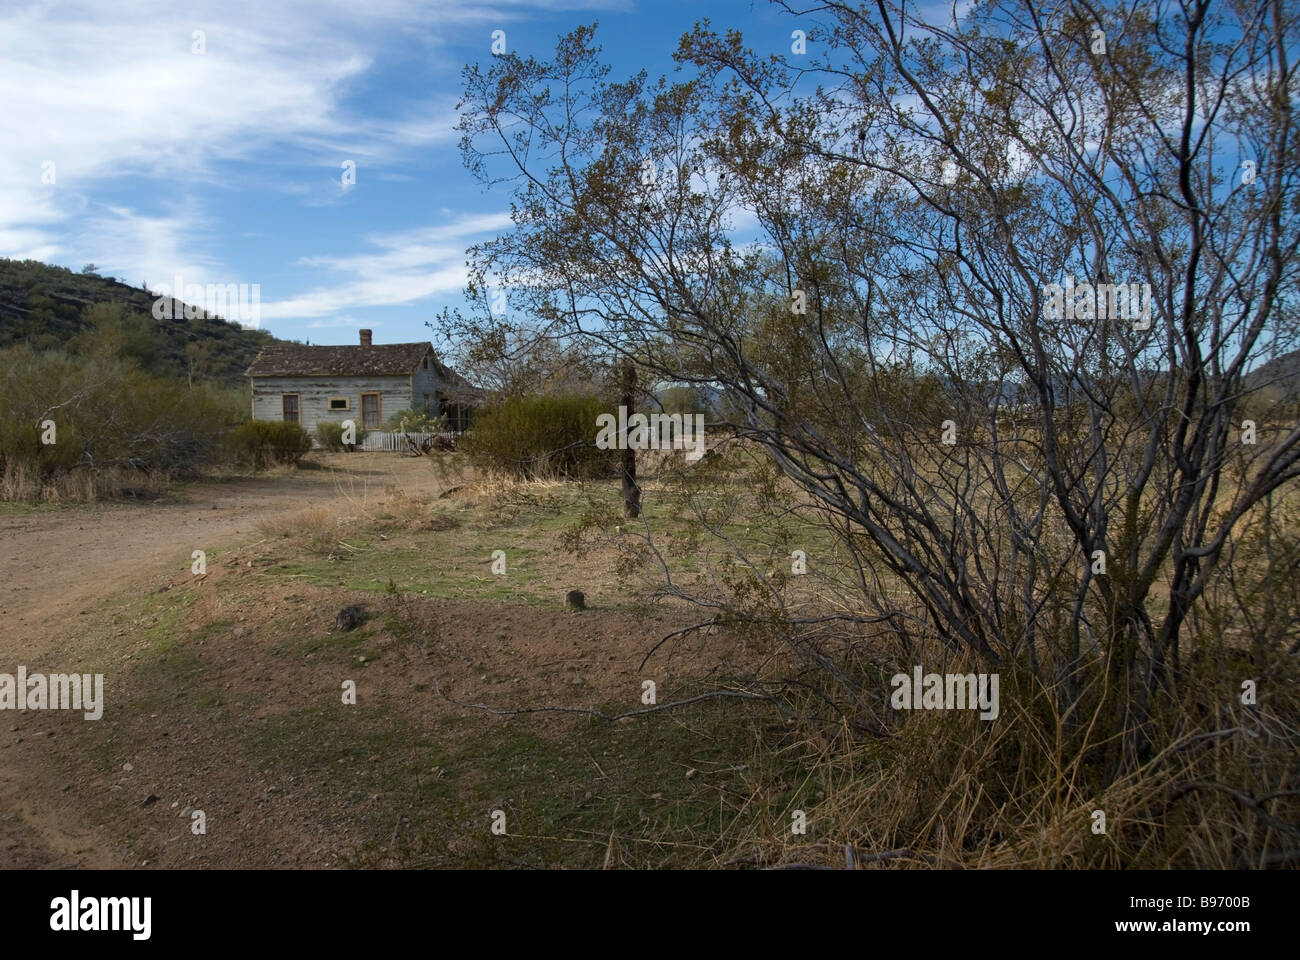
(105, 414)
(549, 436)
(263, 443)
(330, 435)
(414, 421)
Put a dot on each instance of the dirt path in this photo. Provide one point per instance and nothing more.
(52, 564)
(55, 564)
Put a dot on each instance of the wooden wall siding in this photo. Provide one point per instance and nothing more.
(314, 397)
(425, 381)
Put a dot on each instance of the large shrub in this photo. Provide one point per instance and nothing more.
(103, 414)
(329, 435)
(263, 443)
(547, 436)
(414, 421)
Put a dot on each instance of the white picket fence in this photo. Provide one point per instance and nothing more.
(396, 442)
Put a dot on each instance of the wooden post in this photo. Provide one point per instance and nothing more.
(631, 492)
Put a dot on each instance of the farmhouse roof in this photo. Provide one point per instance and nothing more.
(383, 360)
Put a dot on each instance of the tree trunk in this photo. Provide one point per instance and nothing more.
(631, 492)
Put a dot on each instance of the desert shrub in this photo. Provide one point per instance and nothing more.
(264, 443)
(414, 421)
(104, 416)
(316, 529)
(546, 436)
(684, 400)
(330, 435)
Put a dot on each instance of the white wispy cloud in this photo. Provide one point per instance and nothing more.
(400, 267)
(110, 91)
(154, 249)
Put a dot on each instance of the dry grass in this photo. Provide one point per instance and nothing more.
(362, 506)
(20, 483)
(316, 529)
(949, 791)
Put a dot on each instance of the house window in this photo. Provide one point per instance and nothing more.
(370, 411)
(338, 403)
(289, 406)
(426, 363)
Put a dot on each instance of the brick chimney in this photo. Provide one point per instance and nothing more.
(365, 338)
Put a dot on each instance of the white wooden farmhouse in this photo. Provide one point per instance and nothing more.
(366, 384)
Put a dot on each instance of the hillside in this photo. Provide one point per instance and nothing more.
(1281, 376)
(45, 306)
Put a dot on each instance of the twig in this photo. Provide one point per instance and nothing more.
(1250, 803)
(800, 866)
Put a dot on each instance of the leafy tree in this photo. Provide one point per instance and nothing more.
(916, 189)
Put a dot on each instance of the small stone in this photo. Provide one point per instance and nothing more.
(349, 618)
(127, 767)
(150, 800)
(691, 772)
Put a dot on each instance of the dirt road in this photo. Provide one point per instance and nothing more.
(54, 564)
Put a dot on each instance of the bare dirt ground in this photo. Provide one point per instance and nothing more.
(223, 690)
(52, 563)
(55, 564)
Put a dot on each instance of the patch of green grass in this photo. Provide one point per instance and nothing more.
(171, 668)
(529, 524)
(173, 674)
(168, 610)
(372, 765)
(343, 646)
(565, 795)
(443, 568)
(421, 795)
(22, 507)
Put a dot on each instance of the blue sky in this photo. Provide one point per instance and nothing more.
(226, 166)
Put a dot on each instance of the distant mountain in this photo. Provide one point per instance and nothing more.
(1281, 375)
(44, 306)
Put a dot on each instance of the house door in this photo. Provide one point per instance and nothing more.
(290, 401)
(370, 411)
